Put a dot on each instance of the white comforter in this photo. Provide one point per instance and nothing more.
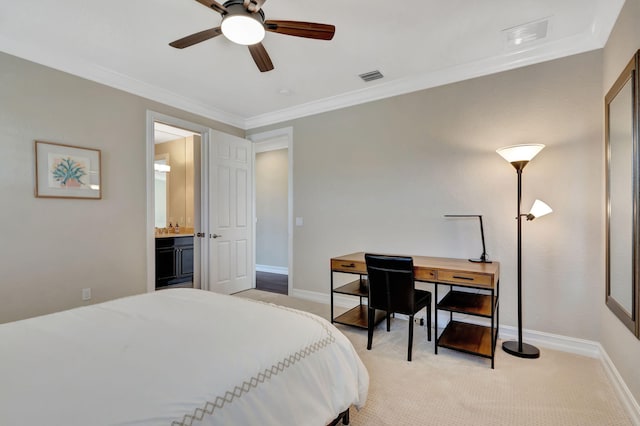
(177, 357)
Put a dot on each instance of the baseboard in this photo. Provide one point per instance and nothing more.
(558, 342)
(620, 387)
(282, 270)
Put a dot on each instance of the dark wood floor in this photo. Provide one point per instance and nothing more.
(275, 283)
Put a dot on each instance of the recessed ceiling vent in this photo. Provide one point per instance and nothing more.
(526, 33)
(371, 75)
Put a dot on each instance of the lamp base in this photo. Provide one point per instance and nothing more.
(528, 351)
(480, 261)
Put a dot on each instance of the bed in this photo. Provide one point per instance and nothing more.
(178, 357)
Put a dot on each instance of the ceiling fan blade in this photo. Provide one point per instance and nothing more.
(196, 38)
(214, 5)
(253, 5)
(261, 57)
(301, 29)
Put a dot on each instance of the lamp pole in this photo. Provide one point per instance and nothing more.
(519, 156)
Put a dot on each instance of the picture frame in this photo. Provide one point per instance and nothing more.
(67, 171)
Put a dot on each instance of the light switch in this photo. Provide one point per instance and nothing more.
(299, 221)
(86, 294)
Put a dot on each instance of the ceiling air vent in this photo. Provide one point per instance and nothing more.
(526, 33)
(371, 75)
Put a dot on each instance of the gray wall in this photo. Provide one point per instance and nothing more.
(621, 345)
(380, 177)
(271, 171)
(52, 248)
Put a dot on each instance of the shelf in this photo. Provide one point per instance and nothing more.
(468, 303)
(357, 317)
(359, 287)
(465, 337)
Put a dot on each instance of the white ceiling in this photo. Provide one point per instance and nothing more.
(416, 45)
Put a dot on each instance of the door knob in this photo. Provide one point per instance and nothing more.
(216, 236)
(200, 235)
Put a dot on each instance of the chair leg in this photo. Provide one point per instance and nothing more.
(370, 325)
(410, 337)
(389, 321)
(429, 323)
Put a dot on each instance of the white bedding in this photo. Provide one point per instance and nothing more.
(177, 357)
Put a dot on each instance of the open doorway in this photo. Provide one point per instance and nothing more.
(223, 199)
(273, 210)
(176, 160)
(174, 202)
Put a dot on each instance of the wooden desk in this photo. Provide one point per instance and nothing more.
(460, 275)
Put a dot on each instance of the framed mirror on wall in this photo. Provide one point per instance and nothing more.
(622, 118)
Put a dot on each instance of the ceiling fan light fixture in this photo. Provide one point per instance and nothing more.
(242, 29)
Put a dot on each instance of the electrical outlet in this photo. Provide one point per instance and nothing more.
(86, 294)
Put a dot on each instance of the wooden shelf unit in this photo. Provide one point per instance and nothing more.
(469, 338)
(462, 336)
(358, 315)
(468, 303)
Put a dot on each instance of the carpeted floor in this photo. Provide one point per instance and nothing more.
(453, 388)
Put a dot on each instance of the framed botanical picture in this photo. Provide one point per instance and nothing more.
(66, 171)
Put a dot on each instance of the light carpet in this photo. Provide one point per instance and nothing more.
(454, 388)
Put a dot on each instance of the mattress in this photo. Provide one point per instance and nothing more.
(177, 357)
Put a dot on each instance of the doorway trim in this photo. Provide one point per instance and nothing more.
(269, 141)
(152, 117)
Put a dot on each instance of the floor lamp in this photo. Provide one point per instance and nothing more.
(519, 156)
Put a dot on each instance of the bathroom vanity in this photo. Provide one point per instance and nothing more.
(174, 260)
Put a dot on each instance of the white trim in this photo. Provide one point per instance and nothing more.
(620, 387)
(275, 139)
(593, 38)
(557, 342)
(507, 61)
(605, 18)
(63, 61)
(280, 142)
(151, 118)
(282, 270)
(150, 234)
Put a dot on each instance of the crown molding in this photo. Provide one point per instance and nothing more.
(66, 63)
(606, 15)
(510, 60)
(594, 38)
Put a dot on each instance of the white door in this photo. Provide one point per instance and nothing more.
(230, 210)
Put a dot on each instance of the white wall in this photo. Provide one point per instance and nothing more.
(621, 345)
(52, 248)
(272, 196)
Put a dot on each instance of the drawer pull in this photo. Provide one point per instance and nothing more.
(350, 265)
(463, 278)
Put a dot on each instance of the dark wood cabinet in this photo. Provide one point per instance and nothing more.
(174, 261)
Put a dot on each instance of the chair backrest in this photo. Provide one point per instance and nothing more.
(391, 283)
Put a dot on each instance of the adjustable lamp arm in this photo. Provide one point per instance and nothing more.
(484, 258)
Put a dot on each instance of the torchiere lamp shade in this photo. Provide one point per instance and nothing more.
(524, 152)
(539, 209)
(520, 155)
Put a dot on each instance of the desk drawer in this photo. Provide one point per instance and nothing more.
(464, 278)
(425, 274)
(348, 266)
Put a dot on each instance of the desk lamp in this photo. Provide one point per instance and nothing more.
(519, 156)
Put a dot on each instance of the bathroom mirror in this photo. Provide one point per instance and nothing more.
(623, 225)
(162, 196)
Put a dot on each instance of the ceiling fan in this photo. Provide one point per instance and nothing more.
(243, 23)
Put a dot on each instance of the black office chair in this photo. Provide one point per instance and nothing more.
(392, 289)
